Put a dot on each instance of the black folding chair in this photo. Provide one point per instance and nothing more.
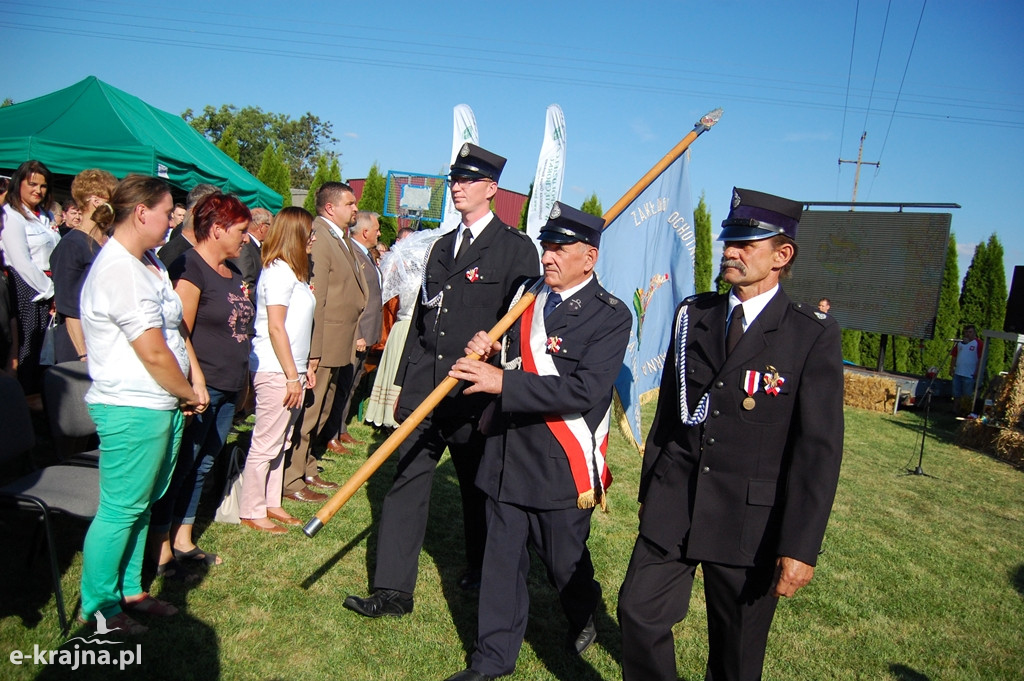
(73, 431)
(73, 490)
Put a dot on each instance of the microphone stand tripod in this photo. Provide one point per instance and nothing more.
(927, 413)
(924, 432)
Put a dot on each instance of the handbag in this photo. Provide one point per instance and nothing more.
(48, 352)
(227, 512)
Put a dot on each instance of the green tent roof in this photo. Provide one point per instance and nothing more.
(94, 125)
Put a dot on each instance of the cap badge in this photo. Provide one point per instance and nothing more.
(464, 152)
(554, 344)
(473, 274)
(735, 198)
(556, 211)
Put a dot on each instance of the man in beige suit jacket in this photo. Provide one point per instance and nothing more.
(341, 294)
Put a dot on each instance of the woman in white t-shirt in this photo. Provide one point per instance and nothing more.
(139, 362)
(279, 363)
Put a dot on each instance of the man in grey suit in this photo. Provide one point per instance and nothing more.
(364, 236)
(248, 261)
(340, 292)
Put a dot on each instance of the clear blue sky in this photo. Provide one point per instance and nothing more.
(799, 82)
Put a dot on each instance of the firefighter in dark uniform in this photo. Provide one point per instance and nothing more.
(467, 284)
(543, 469)
(742, 460)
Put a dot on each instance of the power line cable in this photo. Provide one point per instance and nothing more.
(846, 102)
(906, 68)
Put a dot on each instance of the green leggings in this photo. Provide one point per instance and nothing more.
(138, 447)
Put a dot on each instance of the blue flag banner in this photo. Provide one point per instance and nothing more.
(646, 260)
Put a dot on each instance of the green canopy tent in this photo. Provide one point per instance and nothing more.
(93, 125)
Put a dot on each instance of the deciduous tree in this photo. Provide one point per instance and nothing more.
(300, 142)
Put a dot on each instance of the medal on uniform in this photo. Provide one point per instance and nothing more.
(751, 380)
(772, 381)
(473, 274)
(554, 344)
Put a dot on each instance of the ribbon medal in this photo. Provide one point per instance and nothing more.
(473, 274)
(751, 380)
(772, 381)
(554, 344)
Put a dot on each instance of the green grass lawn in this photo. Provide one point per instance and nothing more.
(921, 578)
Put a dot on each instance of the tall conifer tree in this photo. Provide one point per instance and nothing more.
(947, 320)
(702, 265)
(373, 200)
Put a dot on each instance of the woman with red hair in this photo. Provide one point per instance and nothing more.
(218, 314)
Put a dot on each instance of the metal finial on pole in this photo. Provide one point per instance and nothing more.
(700, 127)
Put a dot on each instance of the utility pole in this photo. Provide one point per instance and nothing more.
(859, 162)
(884, 340)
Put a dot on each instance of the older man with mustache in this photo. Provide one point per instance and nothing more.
(742, 460)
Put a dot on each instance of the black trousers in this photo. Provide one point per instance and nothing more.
(560, 539)
(655, 595)
(403, 521)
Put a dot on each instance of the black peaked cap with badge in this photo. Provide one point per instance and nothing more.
(756, 215)
(568, 225)
(477, 163)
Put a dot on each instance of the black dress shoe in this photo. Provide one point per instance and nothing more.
(468, 675)
(382, 602)
(583, 640)
(470, 580)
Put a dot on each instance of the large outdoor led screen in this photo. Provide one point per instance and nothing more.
(882, 272)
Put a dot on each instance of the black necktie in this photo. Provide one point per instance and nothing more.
(467, 239)
(735, 329)
(553, 300)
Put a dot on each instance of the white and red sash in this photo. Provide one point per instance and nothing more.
(584, 449)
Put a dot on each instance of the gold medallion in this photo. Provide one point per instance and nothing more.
(749, 403)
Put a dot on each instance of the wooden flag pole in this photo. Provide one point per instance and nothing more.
(702, 126)
(377, 459)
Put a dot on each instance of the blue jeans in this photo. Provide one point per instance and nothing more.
(963, 386)
(202, 441)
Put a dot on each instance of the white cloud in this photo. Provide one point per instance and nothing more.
(353, 135)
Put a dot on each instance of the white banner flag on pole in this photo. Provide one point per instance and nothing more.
(547, 185)
(465, 130)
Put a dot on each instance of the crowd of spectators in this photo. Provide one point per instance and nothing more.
(189, 317)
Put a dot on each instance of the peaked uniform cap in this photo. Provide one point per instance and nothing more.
(568, 225)
(756, 215)
(477, 163)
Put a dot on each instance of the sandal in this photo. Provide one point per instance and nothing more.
(198, 555)
(119, 623)
(173, 570)
(150, 606)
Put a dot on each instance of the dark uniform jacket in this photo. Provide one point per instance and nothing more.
(477, 291)
(249, 264)
(523, 462)
(747, 486)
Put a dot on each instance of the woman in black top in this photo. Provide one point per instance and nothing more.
(72, 258)
(219, 316)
